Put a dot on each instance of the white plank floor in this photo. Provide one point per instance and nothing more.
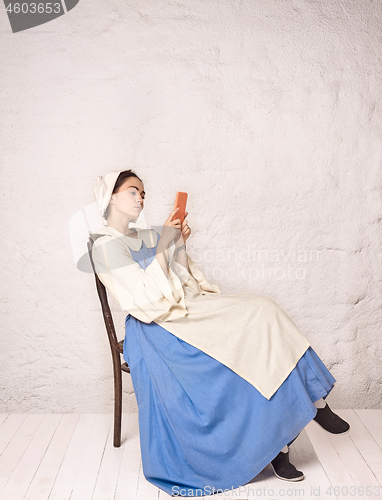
(71, 457)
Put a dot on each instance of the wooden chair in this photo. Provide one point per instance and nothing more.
(116, 351)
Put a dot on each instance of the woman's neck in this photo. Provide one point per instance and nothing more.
(122, 228)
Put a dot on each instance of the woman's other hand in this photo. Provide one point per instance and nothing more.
(185, 230)
(180, 256)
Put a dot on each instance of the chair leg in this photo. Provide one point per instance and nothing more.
(117, 399)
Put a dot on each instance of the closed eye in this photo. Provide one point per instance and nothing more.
(135, 191)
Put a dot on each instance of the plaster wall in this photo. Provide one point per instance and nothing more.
(267, 113)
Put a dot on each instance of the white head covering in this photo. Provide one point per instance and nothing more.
(103, 189)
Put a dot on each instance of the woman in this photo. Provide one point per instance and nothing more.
(224, 383)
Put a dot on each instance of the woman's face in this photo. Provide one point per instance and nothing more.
(128, 200)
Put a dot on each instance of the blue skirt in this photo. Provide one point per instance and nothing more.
(203, 427)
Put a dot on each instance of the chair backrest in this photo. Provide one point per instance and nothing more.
(114, 344)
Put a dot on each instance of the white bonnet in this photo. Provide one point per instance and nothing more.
(103, 189)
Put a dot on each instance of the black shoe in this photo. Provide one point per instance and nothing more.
(283, 469)
(330, 421)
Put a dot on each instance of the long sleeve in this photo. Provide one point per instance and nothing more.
(147, 294)
(194, 279)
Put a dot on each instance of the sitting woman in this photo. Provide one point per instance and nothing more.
(224, 383)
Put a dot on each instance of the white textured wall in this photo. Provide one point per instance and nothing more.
(268, 113)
